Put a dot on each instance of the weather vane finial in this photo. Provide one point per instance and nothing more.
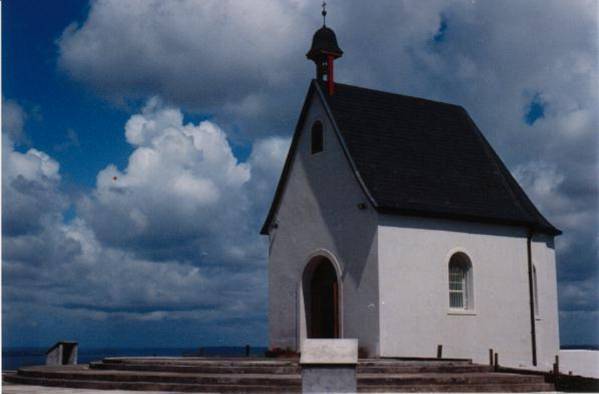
(324, 13)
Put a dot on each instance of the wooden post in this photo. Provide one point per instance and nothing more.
(247, 350)
(439, 351)
(491, 357)
(556, 369)
(496, 361)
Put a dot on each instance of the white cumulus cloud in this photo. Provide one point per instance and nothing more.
(182, 192)
(173, 235)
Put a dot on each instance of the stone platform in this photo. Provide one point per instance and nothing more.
(264, 375)
(9, 388)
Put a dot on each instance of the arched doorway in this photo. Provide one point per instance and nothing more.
(321, 292)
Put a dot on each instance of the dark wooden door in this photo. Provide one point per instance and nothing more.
(324, 302)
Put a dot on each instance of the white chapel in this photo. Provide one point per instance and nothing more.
(396, 223)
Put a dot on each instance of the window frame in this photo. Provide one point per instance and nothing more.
(462, 260)
(458, 286)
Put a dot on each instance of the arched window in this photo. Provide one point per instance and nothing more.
(535, 293)
(316, 138)
(460, 282)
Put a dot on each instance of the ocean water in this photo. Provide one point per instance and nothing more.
(13, 358)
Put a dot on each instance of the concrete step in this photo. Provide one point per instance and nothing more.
(282, 368)
(399, 369)
(274, 361)
(448, 379)
(486, 388)
(79, 373)
(197, 374)
(199, 361)
(152, 386)
(414, 361)
(210, 369)
(66, 373)
(247, 365)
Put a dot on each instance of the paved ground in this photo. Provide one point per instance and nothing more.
(26, 389)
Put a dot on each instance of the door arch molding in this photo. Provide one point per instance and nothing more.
(314, 263)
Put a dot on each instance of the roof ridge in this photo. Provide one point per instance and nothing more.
(394, 94)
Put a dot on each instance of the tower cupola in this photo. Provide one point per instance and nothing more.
(324, 51)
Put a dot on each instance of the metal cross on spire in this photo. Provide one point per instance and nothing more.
(324, 13)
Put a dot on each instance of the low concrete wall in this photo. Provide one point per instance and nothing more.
(62, 353)
(580, 362)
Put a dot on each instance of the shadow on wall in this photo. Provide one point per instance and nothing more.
(473, 227)
(335, 209)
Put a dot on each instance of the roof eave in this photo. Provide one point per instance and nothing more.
(286, 167)
(469, 218)
(540, 222)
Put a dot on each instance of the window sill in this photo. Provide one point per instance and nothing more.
(462, 312)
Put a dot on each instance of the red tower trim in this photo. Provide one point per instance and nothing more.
(330, 77)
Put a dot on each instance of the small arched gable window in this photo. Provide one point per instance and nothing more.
(316, 138)
(460, 282)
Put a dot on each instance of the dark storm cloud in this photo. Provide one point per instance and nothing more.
(28, 203)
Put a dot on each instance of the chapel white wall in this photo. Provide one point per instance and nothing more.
(318, 213)
(547, 319)
(414, 303)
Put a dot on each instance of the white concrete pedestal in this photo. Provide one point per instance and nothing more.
(329, 365)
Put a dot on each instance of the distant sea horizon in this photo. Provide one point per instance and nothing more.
(17, 357)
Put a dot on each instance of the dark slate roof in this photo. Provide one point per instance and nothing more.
(419, 157)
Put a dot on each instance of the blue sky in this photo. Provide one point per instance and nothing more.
(54, 102)
(140, 137)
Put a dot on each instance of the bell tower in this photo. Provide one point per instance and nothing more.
(323, 53)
